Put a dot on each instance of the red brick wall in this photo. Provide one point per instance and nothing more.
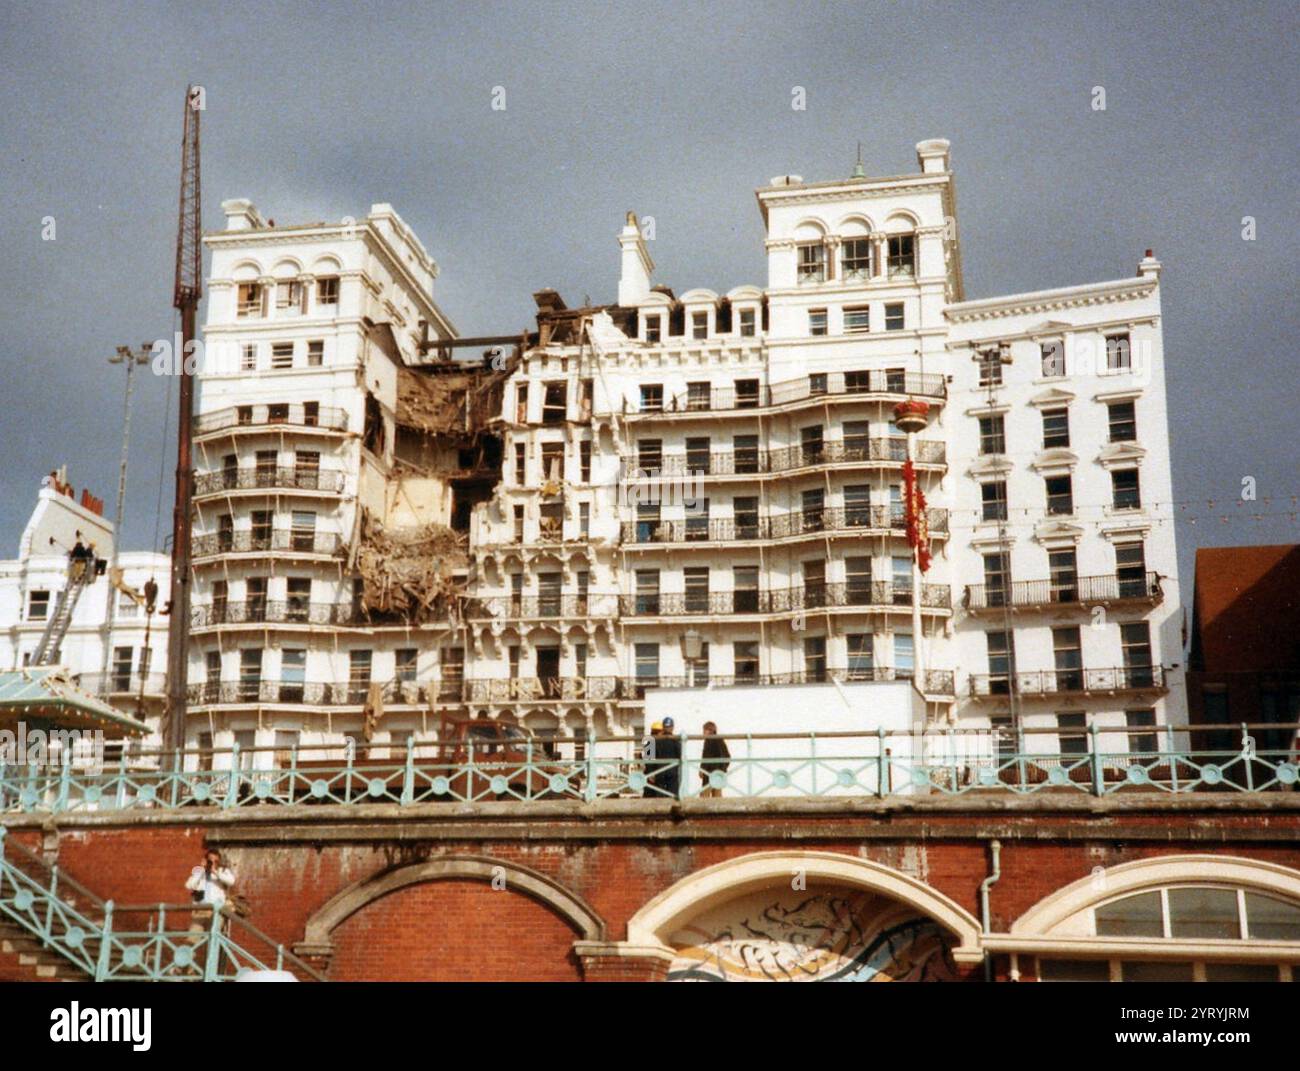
(452, 931)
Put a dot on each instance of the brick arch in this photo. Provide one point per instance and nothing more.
(652, 925)
(571, 908)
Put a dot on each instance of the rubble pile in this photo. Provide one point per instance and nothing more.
(410, 572)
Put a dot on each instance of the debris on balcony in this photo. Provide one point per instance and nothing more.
(415, 574)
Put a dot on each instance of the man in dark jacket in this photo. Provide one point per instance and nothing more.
(669, 750)
(715, 756)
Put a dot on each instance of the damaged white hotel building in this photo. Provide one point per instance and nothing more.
(681, 502)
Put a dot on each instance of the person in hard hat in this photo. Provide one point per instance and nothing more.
(670, 750)
(650, 753)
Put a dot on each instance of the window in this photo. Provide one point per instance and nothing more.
(814, 583)
(649, 454)
(521, 404)
(857, 320)
(994, 495)
(1125, 490)
(811, 444)
(288, 294)
(1073, 738)
(902, 255)
(901, 579)
(121, 678)
(38, 605)
(857, 506)
(261, 530)
(817, 383)
(553, 461)
(212, 664)
(1067, 650)
(813, 509)
(697, 521)
(298, 598)
(303, 534)
(745, 514)
(894, 316)
(1135, 642)
(1131, 570)
(744, 655)
(265, 464)
(745, 453)
(127, 607)
(584, 461)
(586, 398)
(549, 586)
(858, 382)
(1141, 740)
(1053, 354)
(855, 259)
(1118, 353)
(654, 326)
(1063, 568)
(555, 402)
(1056, 428)
(814, 658)
(745, 583)
(699, 325)
(315, 353)
(1122, 418)
(816, 321)
(359, 663)
(248, 357)
(519, 524)
(990, 367)
(584, 590)
(584, 519)
(250, 673)
(747, 394)
(904, 655)
(857, 575)
(293, 674)
(255, 598)
(451, 663)
(857, 445)
(812, 262)
(697, 589)
(997, 578)
(861, 656)
(652, 397)
(249, 299)
(647, 522)
(747, 323)
(698, 452)
(647, 591)
(698, 396)
(1000, 657)
(647, 661)
(1060, 495)
(993, 439)
(311, 414)
(327, 290)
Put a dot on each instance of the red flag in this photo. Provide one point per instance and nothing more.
(918, 527)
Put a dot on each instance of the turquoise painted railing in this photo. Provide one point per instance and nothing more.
(943, 762)
(121, 943)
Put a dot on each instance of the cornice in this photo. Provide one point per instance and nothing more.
(1074, 297)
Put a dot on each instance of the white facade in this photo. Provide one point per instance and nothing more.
(721, 471)
(126, 663)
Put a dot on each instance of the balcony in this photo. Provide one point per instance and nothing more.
(282, 478)
(262, 611)
(887, 452)
(1081, 592)
(938, 681)
(541, 689)
(511, 607)
(829, 520)
(296, 415)
(869, 596)
(317, 693)
(1049, 683)
(871, 385)
(276, 541)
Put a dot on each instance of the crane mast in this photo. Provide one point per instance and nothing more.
(188, 290)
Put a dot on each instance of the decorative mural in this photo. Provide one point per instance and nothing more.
(815, 935)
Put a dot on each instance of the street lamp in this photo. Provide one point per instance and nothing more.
(692, 647)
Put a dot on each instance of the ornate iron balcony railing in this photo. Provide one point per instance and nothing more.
(511, 607)
(879, 381)
(279, 478)
(1082, 591)
(872, 595)
(1052, 682)
(780, 459)
(245, 541)
(828, 520)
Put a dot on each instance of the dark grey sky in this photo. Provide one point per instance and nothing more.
(675, 110)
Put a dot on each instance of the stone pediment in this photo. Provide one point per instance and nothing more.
(1057, 459)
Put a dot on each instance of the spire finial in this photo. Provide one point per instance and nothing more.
(858, 170)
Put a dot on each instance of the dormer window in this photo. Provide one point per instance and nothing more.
(855, 258)
(699, 325)
(654, 328)
(812, 262)
(250, 299)
(902, 255)
(747, 322)
(327, 290)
